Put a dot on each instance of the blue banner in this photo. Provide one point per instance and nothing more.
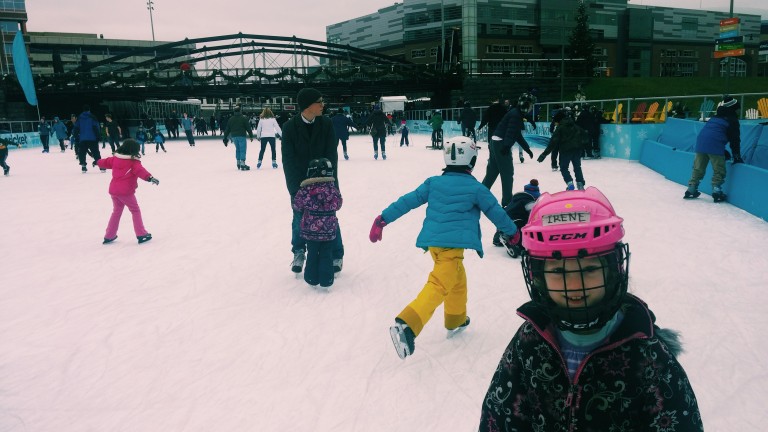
(23, 71)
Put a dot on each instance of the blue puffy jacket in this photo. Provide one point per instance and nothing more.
(720, 130)
(454, 202)
(86, 127)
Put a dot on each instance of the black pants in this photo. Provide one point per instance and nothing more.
(376, 140)
(114, 143)
(567, 158)
(3, 157)
(190, 136)
(44, 140)
(469, 132)
(500, 165)
(271, 142)
(61, 143)
(88, 147)
(404, 140)
(319, 267)
(343, 145)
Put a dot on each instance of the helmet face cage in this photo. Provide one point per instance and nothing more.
(320, 168)
(579, 293)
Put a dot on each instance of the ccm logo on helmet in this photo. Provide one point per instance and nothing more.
(575, 236)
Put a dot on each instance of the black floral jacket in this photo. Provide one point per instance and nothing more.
(631, 383)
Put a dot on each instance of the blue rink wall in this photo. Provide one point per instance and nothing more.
(668, 148)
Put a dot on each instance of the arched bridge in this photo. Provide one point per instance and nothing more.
(240, 65)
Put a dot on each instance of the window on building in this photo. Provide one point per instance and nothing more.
(689, 27)
(420, 53)
(599, 52)
(9, 26)
(738, 67)
(496, 49)
(525, 49)
(433, 52)
(689, 53)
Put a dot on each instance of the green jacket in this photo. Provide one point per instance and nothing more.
(436, 121)
(238, 126)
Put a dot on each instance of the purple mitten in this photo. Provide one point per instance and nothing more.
(376, 229)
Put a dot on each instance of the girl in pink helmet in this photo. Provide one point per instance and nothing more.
(589, 356)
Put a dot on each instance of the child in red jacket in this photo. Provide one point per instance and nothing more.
(126, 169)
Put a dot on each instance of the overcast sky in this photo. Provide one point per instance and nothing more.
(176, 19)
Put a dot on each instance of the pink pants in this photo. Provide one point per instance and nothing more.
(118, 202)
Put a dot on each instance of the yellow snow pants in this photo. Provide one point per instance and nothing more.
(447, 283)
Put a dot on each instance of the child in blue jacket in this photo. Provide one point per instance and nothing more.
(454, 202)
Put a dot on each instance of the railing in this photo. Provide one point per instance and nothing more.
(18, 126)
(688, 107)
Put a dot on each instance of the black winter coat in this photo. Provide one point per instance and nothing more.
(510, 130)
(492, 116)
(378, 122)
(567, 137)
(631, 383)
(302, 143)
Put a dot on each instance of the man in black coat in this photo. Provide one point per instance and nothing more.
(308, 136)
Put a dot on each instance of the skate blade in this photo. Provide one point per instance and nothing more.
(400, 347)
(456, 331)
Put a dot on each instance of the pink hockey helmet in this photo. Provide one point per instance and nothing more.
(571, 224)
(580, 226)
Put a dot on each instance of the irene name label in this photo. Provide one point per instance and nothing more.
(565, 218)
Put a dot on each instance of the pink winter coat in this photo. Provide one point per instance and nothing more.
(125, 172)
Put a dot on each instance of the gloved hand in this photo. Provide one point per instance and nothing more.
(514, 238)
(504, 150)
(737, 159)
(726, 155)
(530, 154)
(376, 229)
(226, 141)
(154, 181)
(541, 158)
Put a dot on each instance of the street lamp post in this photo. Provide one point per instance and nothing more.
(442, 36)
(151, 7)
(562, 59)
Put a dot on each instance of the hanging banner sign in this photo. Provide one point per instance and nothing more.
(728, 28)
(729, 47)
(731, 53)
(729, 21)
(729, 40)
(729, 34)
(763, 48)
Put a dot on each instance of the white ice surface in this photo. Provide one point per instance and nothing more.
(206, 329)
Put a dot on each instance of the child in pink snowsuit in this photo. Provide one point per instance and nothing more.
(126, 169)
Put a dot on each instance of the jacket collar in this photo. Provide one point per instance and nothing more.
(638, 320)
(126, 157)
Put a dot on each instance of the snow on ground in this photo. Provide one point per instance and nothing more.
(206, 329)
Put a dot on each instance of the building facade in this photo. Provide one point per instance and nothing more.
(529, 37)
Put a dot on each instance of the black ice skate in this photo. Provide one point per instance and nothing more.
(718, 196)
(403, 338)
(145, 238)
(6, 170)
(108, 241)
(691, 194)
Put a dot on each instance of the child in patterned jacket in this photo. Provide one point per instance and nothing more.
(319, 199)
(589, 356)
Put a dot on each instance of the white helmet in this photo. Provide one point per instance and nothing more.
(460, 151)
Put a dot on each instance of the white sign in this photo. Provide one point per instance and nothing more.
(565, 218)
